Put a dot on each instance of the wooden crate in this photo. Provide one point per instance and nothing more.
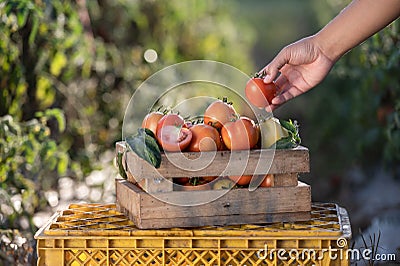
(236, 206)
(286, 165)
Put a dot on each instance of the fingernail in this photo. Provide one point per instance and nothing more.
(276, 100)
(267, 79)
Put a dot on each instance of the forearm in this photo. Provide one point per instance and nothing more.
(358, 21)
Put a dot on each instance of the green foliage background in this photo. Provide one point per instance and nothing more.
(68, 69)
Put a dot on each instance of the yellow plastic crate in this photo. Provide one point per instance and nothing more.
(94, 234)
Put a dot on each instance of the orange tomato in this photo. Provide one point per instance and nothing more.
(268, 181)
(260, 94)
(218, 113)
(243, 180)
(150, 121)
(181, 180)
(171, 133)
(204, 138)
(241, 134)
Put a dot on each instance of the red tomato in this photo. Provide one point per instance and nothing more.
(218, 113)
(181, 180)
(171, 120)
(243, 180)
(171, 133)
(150, 121)
(260, 94)
(241, 134)
(268, 181)
(204, 138)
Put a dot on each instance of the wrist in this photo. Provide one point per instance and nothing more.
(328, 46)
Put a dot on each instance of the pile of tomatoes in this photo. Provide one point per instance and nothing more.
(222, 129)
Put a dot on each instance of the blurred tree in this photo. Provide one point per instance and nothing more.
(355, 112)
(68, 69)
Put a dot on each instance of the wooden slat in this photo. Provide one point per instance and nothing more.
(156, 185)
(285, 180)
(219, 220)
(236, 201)
(222, 163)
(237, 206)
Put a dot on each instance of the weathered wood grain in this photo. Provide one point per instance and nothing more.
(236, 206)
(221, 163)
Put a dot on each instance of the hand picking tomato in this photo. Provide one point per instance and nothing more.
(150, 121)
(260, 94)
(241, 134)
(243, 180)
(171, 133)
(204, 138)
(218, 113)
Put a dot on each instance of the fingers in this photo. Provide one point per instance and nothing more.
(286, 92)
(281, 99)
(272, 69)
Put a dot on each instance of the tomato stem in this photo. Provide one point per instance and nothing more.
(259, 75)
(194, 181)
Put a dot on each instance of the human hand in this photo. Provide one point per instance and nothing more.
(302, 66)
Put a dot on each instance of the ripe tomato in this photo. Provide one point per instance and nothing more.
(171, 133)
(241, 134)
(150, 121)
(204, 138)
(243, 180)
(268, 181)
(181, 180)
(260, 94)
(218, 113)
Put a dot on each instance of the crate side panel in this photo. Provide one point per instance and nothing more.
(219, 163)
(223, 220)
(232, 202)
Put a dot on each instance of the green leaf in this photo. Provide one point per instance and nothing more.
(285, 143)
(63, 161)
(58, 114)
(34, 30)
(58, 63)
(21, 18)
(291, 141)
(120, 166)
(146, 147)
(288, 125)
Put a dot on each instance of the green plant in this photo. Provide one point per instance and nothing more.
(82, 58)
(372, 246)
(30, 157)
(359, 105)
